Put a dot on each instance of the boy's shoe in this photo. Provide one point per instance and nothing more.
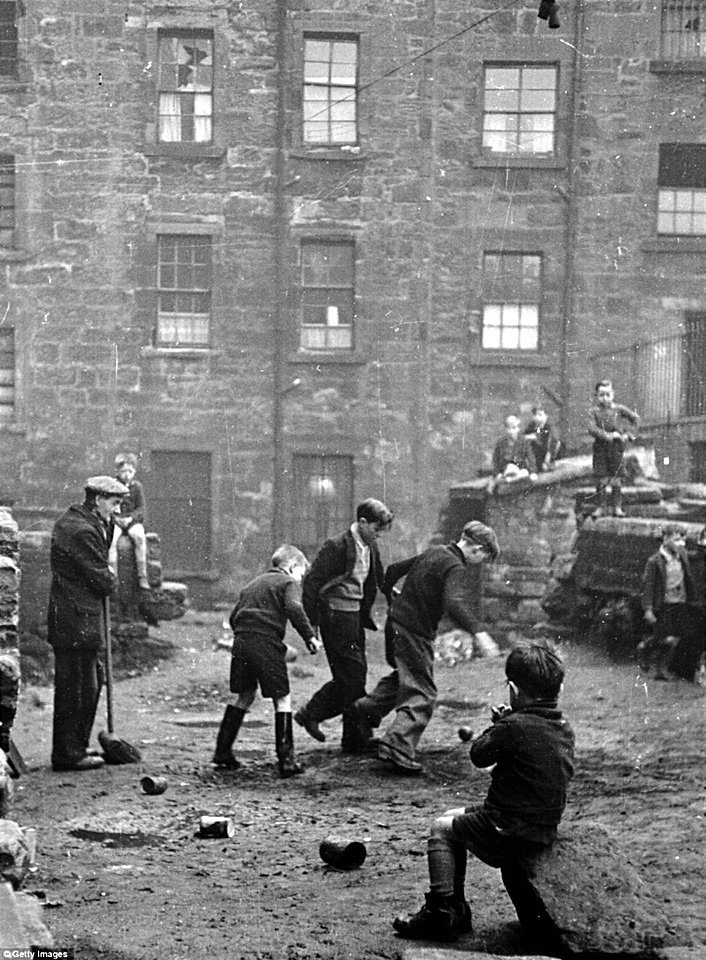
(436, 920)
(402, 762)
(462, 909)
(619, 512)
(311, 726)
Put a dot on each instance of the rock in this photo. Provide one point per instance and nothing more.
(594, 900)
(29, 911)
(15, 856)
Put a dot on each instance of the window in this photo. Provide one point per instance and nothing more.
(519, 113)
(323, 499)
(327, 295)
(184, 291)
(683, 29)
(7, 372)
(8, 38)
(511, 298)
(185, 87)
(7, 200)
(330, 90)
(682, 189)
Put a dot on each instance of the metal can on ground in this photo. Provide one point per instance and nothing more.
(222, 827)
(342, 852)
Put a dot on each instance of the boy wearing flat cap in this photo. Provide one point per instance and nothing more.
(81, 580)
(436, 583)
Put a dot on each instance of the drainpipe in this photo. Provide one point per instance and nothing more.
(279, 364)
(571, 216)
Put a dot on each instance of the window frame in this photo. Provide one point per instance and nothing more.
(11, 42)
(515, 286)
(328, 348)
(332, 37)
(518, 154)
(681, 189)
(8, 374)
(164, 35)
(8, 182)
(194, 240)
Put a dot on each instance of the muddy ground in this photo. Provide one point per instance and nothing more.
(123, 875)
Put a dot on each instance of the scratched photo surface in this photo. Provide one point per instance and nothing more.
(262, 263)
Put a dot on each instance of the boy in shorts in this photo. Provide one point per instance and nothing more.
(532, 748)
(611, 425)
(258, 657)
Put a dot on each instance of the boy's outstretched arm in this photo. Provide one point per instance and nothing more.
(491, 745)
(297, 617)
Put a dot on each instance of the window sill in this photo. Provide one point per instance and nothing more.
(184, 151)
(181, 353)
(693, 65)
(674, 245)
(350, 154)
(328, 357)
(511, 358)
(514, 160)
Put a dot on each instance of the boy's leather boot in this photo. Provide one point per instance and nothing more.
(463, 913)
(437, 920)
(230, 726)
(284, 746)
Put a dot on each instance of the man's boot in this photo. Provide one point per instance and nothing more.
(437, 920)
(616, 501)
(284, 746)
(230, 726)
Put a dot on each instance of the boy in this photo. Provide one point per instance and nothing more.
(131, 519)
(608, 425)
(258, 621)
(543, 438)
(532, 748)
(436, 583)
(667, 590)
(339, 592)
(513, 458)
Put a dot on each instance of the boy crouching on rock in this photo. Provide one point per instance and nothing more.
(258, 621)
(532, 748)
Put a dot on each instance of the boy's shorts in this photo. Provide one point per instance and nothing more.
(496, 847)
(259, 661)
(608, 459)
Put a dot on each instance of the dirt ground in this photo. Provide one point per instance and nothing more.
(124, 875)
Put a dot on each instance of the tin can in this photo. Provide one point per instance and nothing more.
(154, 785)
(216, 827)
(342, 852)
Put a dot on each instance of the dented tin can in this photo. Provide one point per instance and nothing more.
(342, 852)
(222, 827)
(153, 786)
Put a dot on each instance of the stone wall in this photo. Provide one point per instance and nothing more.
(9, 642)
(418, 403)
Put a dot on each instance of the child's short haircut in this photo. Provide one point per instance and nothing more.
(125, 458)
(670, 529)
(509, 417)
(287, 555)
(478, 532)
(536, 669)
(374, 511)
(604, 383)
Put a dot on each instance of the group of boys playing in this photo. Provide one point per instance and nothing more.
(529, 744)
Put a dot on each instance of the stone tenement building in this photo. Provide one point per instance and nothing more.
(298, 253)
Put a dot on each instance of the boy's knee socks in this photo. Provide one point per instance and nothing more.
(441, 857)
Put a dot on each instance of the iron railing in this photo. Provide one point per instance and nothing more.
(683, 29)
(664, 379)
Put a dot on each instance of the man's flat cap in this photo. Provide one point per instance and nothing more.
(106, 487)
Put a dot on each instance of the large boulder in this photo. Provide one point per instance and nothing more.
(591, 901)
(15, 853)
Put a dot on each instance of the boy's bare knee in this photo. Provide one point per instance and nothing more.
(443, 825)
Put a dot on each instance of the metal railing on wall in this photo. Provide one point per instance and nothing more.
(664, 379)
(683, 34)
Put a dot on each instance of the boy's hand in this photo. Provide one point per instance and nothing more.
(313, 644)
(650, 618)
(497, 713)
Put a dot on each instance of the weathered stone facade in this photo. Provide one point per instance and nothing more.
(416, 403)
